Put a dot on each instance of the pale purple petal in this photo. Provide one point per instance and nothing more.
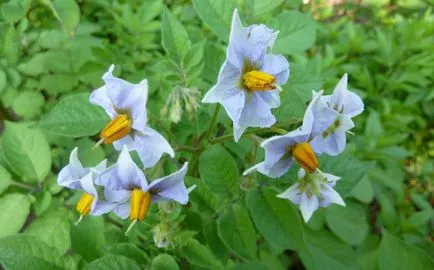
(172, 187)
(256, 113)
(151, 145)
(70, 175)
(329, 196)
(123, 175)
(101, 208)
(122, 210)
(128, 141)
(353, 104)
(116, 196)
(278, 66)
(271, 98)
(124, 94)
(292, 194)
(238, 132)
(308, 205)
(101, 98)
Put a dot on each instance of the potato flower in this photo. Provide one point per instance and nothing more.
(75, 176)
(125, 103)
(313, 191)
(249, 80)
(127, 188)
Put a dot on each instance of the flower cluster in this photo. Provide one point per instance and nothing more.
(248, 87)
(325, 123)
(123, 187)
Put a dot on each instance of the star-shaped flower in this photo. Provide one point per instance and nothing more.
(281, 150)
(249, 80)
(75, 176)
(126, 187)
(313, 191)
(125, 103)
(341, 106)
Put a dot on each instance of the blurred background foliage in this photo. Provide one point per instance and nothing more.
(52, 49)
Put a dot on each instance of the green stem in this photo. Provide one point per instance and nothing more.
(212, 122)
(22, 185)
(186, 148)
(252, 131)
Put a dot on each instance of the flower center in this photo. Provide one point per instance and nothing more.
(119, 127)
(84, 204)
(332, 128)
(139, 205)
(304, 155)
(256, 80)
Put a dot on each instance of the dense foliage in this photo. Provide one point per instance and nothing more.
(54, 53)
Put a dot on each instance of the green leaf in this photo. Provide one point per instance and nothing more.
(302, 80)
(348, 168)
(5, 179)
(74, 116)
(323, 251)
(23, 252)
(261, 7)
(214, 56)
(28, 104)
(15, 209)
(3, 81)
(88, 238)
(222, 176)
(199, 255)
(43, 202)
(129, 250)
(396, 254)
(112, 262)
(58, 83)
(296, 32)
(348, 223)
(89, 157)
(164, 262)
(53, 228)
(237, 232)
(276, 219)
(14, 10)
(202, 196)
(292, 107)
(25, 152)
(67, 12)
(175, 38)
(217, 14)
(363, 191)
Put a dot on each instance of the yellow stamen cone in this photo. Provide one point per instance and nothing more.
(140, 202)
(139, 206)
(259, 81)
(84, 205)
(305, 156)
(119, 127)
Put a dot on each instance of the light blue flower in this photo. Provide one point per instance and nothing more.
(75, 176)
(249, 79)
(279, 154)
(124, 180)
(341, 106)
(313, 191)
(125, 103)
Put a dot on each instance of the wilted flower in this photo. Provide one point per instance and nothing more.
(249, 81)
(281, 150)
(125, 103)
(312, 191)
(341, 106)
(179, 98)
(126, 187)
(75, 176)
